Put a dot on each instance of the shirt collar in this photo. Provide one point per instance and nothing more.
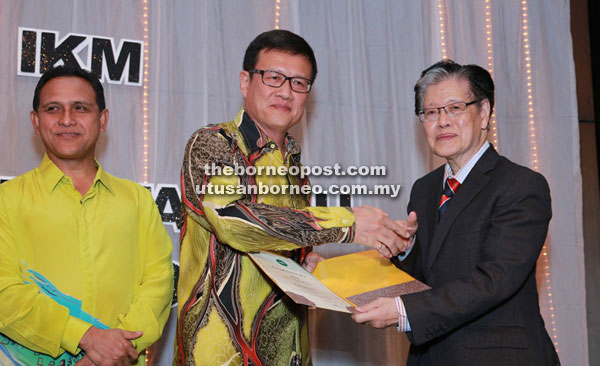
(462, 174)
(103, 177)
(52, 175)
(253, 136)
(291, 146)
(255, 139)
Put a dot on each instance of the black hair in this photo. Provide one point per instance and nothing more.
(279, 40)
(70, 71)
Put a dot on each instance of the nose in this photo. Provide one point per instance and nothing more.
(285, 91)
(444, 119)
(66, 119)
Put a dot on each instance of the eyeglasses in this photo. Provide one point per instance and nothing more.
(452, 110)
(276, 80)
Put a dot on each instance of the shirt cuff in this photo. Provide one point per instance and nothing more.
(74, 331)
(403, 324)
(402, 256)
(332, 217)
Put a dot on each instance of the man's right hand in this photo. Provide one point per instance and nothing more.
(408, 230)
(375, 229)
(109, 347)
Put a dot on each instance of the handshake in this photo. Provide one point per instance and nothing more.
(375, 229)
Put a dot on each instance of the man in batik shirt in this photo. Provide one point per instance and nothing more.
(229, 312)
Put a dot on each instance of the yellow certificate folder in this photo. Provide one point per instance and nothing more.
(364, 276)
(338, 283)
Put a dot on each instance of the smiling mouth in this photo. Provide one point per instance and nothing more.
(281, 107)
(445, 137)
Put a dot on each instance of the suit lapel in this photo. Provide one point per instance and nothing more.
(428, 221)
(476, 180)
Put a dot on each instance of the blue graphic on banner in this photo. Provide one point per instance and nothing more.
(14, 354)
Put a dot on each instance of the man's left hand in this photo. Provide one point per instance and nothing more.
(109, 347)
(378, 314)
(85, 361)
(311, 260)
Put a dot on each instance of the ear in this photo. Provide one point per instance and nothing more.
(35, 121)
(103, 120)
(244, 82)
(484, 114)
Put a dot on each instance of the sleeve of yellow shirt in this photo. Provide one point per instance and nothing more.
(151, 305)
(28, 317)
(249, 226)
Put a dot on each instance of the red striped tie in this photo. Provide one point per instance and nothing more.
(450, 189)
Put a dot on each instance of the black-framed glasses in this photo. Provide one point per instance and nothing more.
(452, 110)
(276, 80)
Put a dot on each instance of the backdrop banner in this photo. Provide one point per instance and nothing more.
(171, 67)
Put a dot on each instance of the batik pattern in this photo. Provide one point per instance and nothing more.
(230, 313)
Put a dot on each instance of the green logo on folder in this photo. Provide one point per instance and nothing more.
(281, 262)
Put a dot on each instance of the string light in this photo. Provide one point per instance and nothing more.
(277, 13)
(149, 360)
(145, 129)
(547, 285)
(490, 57)
(443, 33)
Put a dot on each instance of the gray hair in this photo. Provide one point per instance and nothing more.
(481, 85)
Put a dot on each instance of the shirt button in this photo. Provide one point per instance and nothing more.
(345, 221)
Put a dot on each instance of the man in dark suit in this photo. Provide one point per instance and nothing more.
(482, 222)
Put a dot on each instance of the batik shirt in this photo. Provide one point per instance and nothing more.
(68, 262)
(230, 313)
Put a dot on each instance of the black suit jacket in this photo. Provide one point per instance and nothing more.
(479, 260)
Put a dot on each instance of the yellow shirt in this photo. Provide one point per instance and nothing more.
(229, 311)
(108, 249)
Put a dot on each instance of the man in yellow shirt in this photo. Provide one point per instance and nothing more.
(85, 262)
(229, 312)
